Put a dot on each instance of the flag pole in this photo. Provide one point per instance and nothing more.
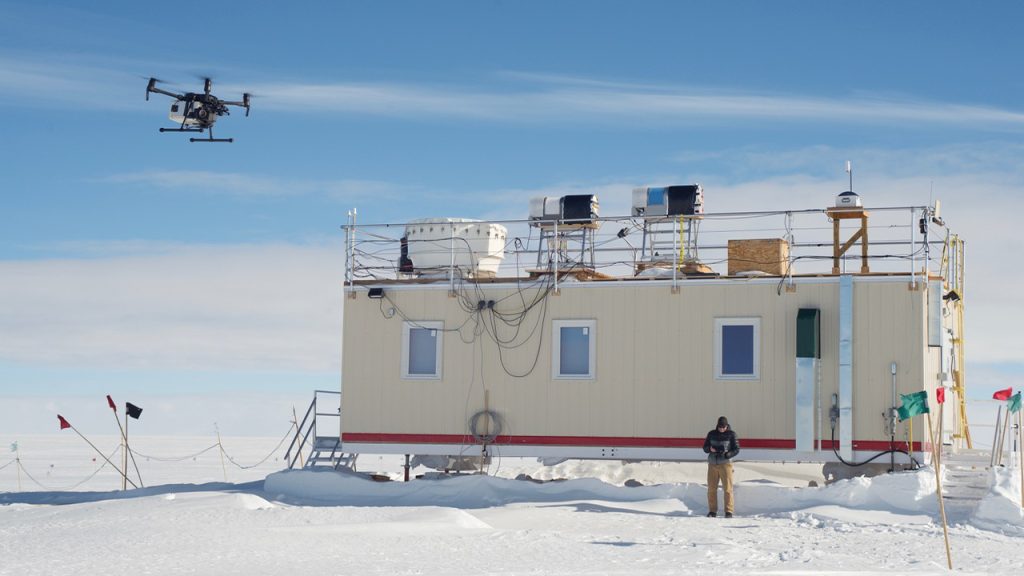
(124, 444)
(910, 439)
(938, 492)
(128, 449)
(1020, 455)
(221, 446)
(124, 453)
(298, 433)
(100, 452)
(1003, 438)
(17, 458)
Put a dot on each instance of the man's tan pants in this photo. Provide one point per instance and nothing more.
(721, 472)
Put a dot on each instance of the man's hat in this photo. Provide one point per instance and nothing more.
(723, 422)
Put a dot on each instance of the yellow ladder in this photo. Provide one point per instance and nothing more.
(953, 265)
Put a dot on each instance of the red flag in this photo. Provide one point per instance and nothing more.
(63, 423)
(1003, 394)
(110, 402)
(940, 395)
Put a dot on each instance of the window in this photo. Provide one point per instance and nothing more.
(737, 348)
(573, 354)
(421, 350)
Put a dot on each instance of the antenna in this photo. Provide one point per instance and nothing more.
(849, 170)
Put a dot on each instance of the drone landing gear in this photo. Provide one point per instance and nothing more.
(211, 138)
(200, 130)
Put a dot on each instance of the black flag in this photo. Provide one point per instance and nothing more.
(132, 410)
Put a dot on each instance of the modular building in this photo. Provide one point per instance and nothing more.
(626, 338)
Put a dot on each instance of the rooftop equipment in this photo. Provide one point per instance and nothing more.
(671, 216)
(763, 255)
(433, 245)
(652, 202)
(573, 209)
(573, 217)
(848, 199)
(545, 208)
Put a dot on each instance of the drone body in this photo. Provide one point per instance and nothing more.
(197, 112)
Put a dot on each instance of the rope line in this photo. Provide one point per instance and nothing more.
(73, 486)
(177, 459)
(20, 465)
(265, 458)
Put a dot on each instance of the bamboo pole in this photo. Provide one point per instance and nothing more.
(17, 458)
(221, 446)
(1020, 455)
(124, 452)
(298, 433)
(995, 438)
(910, 439)
(1002, 438)
(938, 492)
(124, 444)
(100, 452)
(128, 449)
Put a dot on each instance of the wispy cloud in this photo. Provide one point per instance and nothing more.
(604, 103)
(239, 184)
(68, 81)
(983, 158)
(518, 98)
(245, 307)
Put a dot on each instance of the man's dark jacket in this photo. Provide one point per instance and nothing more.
(725, 443)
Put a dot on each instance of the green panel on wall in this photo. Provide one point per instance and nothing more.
(808, 333)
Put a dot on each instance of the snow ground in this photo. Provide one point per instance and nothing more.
(189, 520)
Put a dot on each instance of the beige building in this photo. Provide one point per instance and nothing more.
(564, 361)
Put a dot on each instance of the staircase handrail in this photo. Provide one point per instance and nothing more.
(298, 432)
(303, 431)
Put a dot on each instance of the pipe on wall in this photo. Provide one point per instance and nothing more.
(846, 366)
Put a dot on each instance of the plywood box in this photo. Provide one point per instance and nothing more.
(768, 255)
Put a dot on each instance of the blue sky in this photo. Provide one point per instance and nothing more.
(135, 263)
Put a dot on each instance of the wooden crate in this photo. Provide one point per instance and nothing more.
(768, 255)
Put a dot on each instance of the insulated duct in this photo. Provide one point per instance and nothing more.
(808, 352)
(846, 366)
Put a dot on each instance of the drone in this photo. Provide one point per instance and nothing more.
(197, 112)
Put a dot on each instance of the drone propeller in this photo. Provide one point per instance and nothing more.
(207, 85)
(245, 102)
(151, 85)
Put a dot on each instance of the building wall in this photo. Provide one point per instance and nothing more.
(655, 351)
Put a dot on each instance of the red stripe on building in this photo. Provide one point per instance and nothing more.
(617, 441)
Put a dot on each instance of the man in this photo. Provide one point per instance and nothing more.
(721, 446)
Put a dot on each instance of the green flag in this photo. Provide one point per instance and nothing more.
(913, 404)
(1013, 404)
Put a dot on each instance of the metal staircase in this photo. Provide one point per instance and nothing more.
(320, 434)
(965, 481)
